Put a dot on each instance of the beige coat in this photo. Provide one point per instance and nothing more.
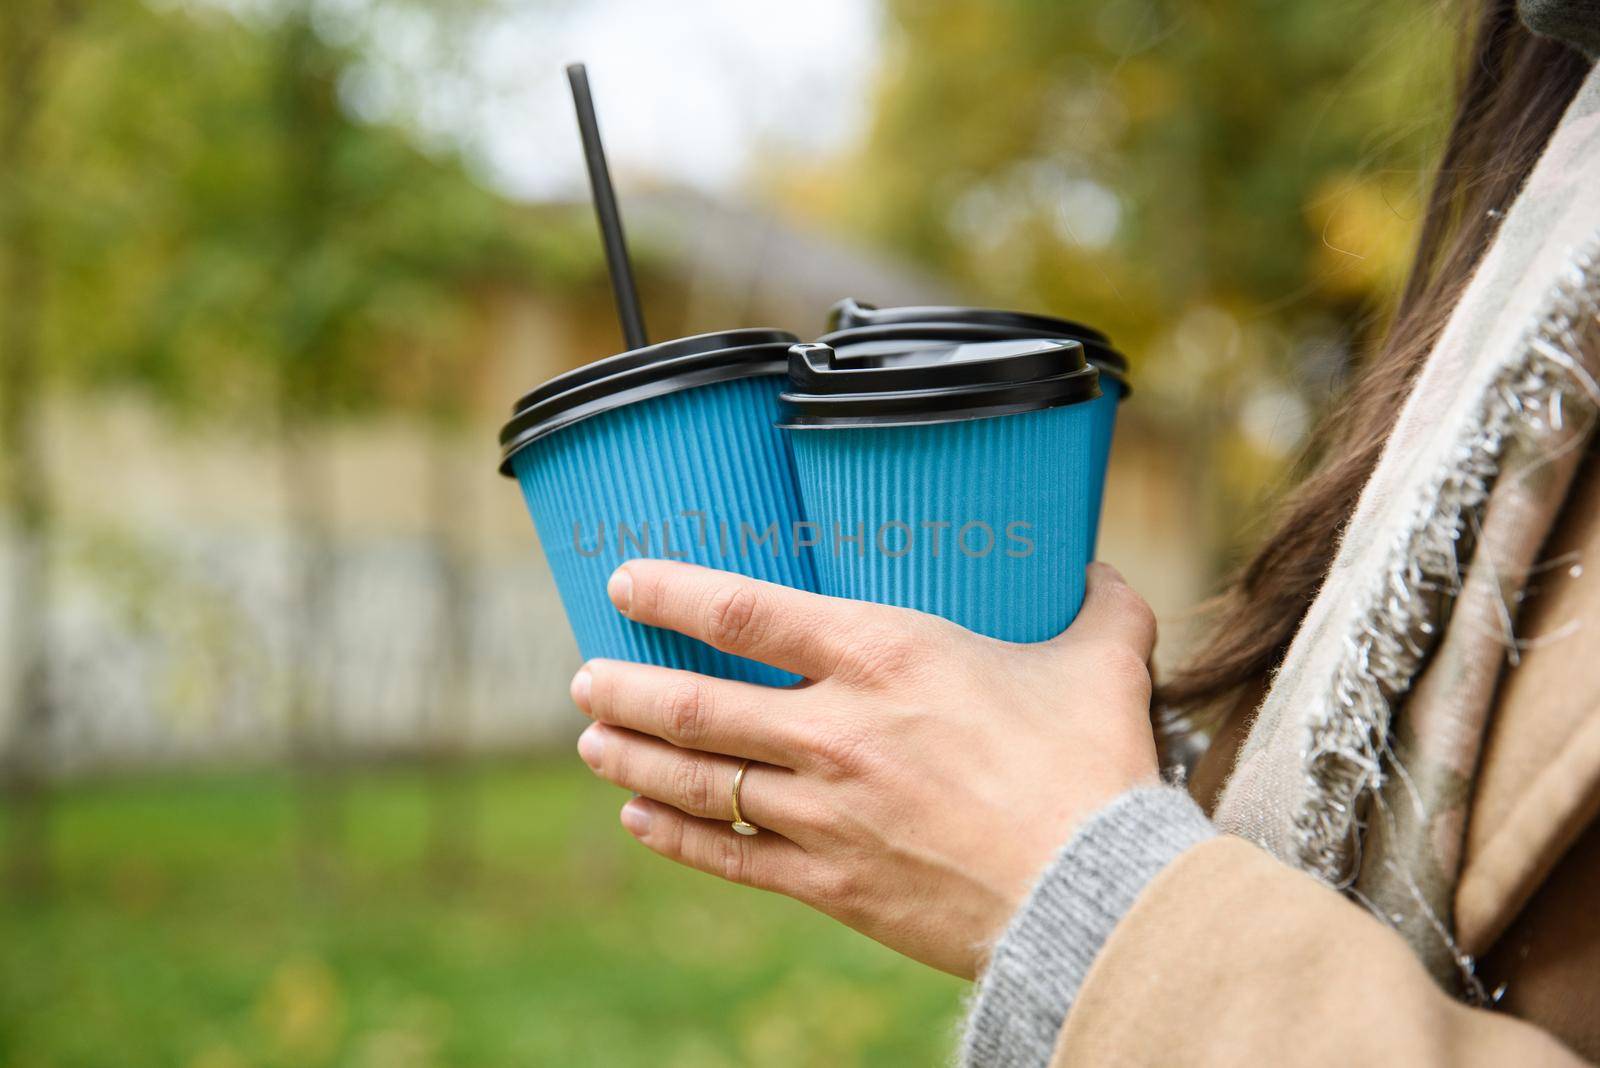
(1230, 957)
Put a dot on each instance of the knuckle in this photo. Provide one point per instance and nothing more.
(844, 750)
(602, 693)
(684, 711)
(836, 890)
(648, 592)
(732, 858)
(615, 762)
(732, 615)
(882, 654)
(1121, 665)
(1139, 609)
(693, 785)
(1128, 603)
(672, 837)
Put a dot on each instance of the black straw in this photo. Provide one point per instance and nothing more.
(605, 210)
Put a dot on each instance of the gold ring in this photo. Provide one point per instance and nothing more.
(739, 823)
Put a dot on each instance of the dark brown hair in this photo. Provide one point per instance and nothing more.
(1513, 89)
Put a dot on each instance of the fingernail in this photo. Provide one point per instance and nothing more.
(590, 743)
(582, 683)
(636, 818)
(620, 589)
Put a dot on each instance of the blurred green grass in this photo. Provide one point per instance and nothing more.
(180, 933)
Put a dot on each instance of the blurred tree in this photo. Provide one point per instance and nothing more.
(236, 245)
(31, 32)
(1230, 189)
(451, 832)
(317, 290)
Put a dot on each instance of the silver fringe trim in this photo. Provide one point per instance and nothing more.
(1348, 736)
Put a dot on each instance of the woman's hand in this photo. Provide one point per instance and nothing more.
(913, 787)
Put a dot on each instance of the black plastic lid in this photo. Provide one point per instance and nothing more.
(851, 322)
(638, 375)
(934, 384)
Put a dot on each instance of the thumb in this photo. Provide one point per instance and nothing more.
(1113, 611)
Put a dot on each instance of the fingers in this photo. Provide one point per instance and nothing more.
(700, 784)
(1113, 611)
(692, 711)
(766, 860)
(800, 632)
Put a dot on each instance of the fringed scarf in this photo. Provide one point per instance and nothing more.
(1358, 766)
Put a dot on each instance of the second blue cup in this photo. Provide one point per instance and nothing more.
(956, 479)
(859, 328)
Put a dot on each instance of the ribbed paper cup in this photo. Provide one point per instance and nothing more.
(982, 514)
(696, 473)
(1103, 416)
(985, 522)
(855, 326)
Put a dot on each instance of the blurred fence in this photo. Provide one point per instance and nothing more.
(171, 630)
(178, 653)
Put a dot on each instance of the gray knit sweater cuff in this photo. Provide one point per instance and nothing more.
(1041, 960)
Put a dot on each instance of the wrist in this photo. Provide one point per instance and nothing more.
(1039, 962)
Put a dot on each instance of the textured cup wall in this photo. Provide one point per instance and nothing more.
(888, 482)
(1103, 411)
(617, 486)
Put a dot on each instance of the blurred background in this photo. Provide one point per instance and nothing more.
(287, 766)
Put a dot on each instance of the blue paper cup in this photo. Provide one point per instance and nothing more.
(673, 455)
(1103, 416)
(857, 327)
(979, 512)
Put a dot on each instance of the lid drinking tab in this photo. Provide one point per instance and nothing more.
(854, 324)
(830, 387)
(850, 313)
